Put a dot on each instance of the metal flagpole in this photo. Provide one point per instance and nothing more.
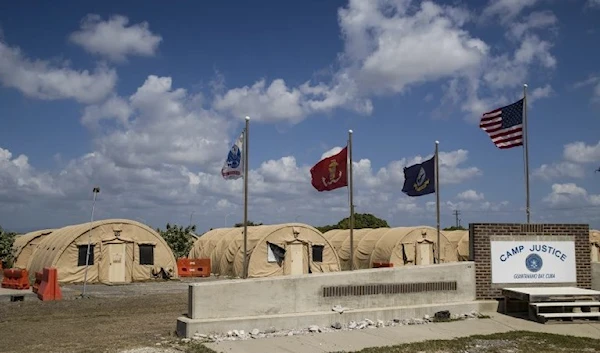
(95, 191)
(437, 197)
(351, 191)
(245, 274)
(526, 153)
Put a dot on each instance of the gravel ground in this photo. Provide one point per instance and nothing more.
(96, 324)
(134, 289)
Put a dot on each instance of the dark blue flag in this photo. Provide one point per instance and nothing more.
(419, 179)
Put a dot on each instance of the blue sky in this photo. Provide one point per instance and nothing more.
(145, 100)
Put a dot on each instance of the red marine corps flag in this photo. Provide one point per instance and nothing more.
(331, 173)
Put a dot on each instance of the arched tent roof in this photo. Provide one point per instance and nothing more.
(204, 245)
(25, 244)
(364, 240)
(336, 237)
(392, 245)
(60, 249)
(227, 249)
(460, 239)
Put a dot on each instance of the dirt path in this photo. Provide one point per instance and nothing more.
(89, 325)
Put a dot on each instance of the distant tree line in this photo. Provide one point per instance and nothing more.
(6, 243)
(455, 228)
(361, 220)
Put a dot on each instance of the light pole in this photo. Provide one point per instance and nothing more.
(95, 191)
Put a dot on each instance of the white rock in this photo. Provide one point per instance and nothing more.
(339, 309)
(369, 322)
(290, 333)
(313, 328)
(352, 325)
(255, 332)
(158, 344)
(427, 317)
(186, 340)
(380, 323)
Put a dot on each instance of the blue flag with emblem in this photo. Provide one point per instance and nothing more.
(419, 179)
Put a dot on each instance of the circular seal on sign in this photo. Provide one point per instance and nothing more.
(534, 262)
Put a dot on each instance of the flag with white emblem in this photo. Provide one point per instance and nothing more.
(233, 168)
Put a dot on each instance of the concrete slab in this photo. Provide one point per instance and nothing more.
(187, 327)
(6, 293)
(553, 291)
(357, 340)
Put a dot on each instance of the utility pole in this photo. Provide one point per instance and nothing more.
(456, 214)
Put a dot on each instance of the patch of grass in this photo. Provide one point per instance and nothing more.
(516, 341)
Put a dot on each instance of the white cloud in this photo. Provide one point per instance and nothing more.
(21, 182)
(389, 49)
(390, 46)
(115, 40)
(114, 108)
(593, 81)
(535, 20)
(43, 80)
(331, 152)
(470, 195)
(559, 170)
(167, 127)
(507, 10)
(540, 92)
(575, 157)
(580, 152)
(273, 103)
(469, 206)
(570, 195)
(593, 3)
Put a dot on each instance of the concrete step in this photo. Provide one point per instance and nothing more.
(563, 304)
(569, 315)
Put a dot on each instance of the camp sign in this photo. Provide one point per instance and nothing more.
(533, 262)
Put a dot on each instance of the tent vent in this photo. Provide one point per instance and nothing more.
(388, 288)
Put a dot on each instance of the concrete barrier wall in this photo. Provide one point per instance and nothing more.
(212, 305)
(297, 294)
(596, 275)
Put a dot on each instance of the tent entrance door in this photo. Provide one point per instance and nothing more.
(425, 253)
(295, 259)
(116, 267)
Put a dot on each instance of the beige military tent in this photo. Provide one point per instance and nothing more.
(123, 251)
(400, 246)
(281, 249)
(595, 245)
(460, 239)
(336, 237)
(25, 244)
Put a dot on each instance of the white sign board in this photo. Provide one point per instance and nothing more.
(533, 262)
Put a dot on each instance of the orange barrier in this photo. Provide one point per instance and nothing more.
(38, 280)
(15, 278)
(49, 289)
(193, 267)
(382, 264)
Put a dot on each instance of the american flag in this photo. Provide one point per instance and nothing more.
(504, 125)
